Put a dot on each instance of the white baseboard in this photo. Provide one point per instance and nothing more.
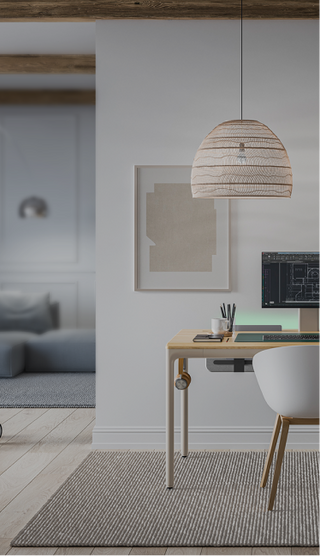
(201, 438)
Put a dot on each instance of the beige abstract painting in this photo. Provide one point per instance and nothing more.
(180, 243)
(183, 229)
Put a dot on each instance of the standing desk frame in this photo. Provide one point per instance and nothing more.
(182, 347)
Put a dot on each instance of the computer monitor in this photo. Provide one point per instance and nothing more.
(291, 280)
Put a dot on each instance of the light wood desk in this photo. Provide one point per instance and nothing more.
(182, 347)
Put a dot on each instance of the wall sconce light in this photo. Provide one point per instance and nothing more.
(33, 207)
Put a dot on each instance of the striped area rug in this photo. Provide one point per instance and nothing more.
(119, 498)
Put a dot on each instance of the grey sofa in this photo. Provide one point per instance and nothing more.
(54, 349)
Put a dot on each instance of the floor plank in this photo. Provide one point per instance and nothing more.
(5, 545)
(233, 550)
(16, 514)
(147, 550)
(285, 550)
(23, 471)
(20, 421)
(32, 551)
(301, 550)
(111, 550)
(7, 412)
(77, 550)
(22, 442)
(184, 550)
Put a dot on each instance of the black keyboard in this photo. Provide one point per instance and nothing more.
(302, 337)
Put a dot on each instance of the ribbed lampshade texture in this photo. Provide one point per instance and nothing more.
(241, 158)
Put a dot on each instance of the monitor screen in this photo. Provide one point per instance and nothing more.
(290, 280)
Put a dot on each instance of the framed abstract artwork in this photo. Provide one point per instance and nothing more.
(181, 243)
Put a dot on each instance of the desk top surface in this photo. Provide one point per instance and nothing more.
(184, 340)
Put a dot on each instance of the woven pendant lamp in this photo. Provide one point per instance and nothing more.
(241, 159)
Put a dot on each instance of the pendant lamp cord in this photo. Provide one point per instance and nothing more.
(241, 44)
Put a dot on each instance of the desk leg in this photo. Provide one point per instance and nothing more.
(184, 418)
(170, 419)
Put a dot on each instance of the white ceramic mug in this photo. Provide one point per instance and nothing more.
(219, 326)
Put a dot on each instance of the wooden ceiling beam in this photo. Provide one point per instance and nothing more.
(48, 64)
(90, 10)
(47, 96)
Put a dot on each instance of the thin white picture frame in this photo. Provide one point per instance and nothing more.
(145, 176)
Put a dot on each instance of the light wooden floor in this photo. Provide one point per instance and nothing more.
(39, 449)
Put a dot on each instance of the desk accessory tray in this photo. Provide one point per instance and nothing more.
(208, 338)
(249, 337)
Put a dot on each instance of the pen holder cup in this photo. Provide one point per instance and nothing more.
(230, 331)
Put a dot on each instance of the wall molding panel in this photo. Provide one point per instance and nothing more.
(41, 159)
(55, 146)
(65, 293)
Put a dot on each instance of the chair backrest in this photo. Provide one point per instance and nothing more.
(289, 379)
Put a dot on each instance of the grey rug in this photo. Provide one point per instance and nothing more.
(48, 390)
(119, 498)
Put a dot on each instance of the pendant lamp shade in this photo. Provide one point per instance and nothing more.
(241, 159)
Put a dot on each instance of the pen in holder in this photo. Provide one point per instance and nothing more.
(229, 314)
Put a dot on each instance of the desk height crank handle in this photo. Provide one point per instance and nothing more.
(183, 379)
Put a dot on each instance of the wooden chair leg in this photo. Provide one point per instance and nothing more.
(272, 447)
(281, 449)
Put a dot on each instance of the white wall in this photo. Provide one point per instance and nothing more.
(161, 87)
(49, 151)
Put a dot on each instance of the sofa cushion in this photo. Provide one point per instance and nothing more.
(17, 336)
(25, 312)
(62, 350)
(12, 353)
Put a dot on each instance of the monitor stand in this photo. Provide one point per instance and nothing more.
(308, 320)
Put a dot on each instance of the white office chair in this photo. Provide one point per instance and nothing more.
(289, 381)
